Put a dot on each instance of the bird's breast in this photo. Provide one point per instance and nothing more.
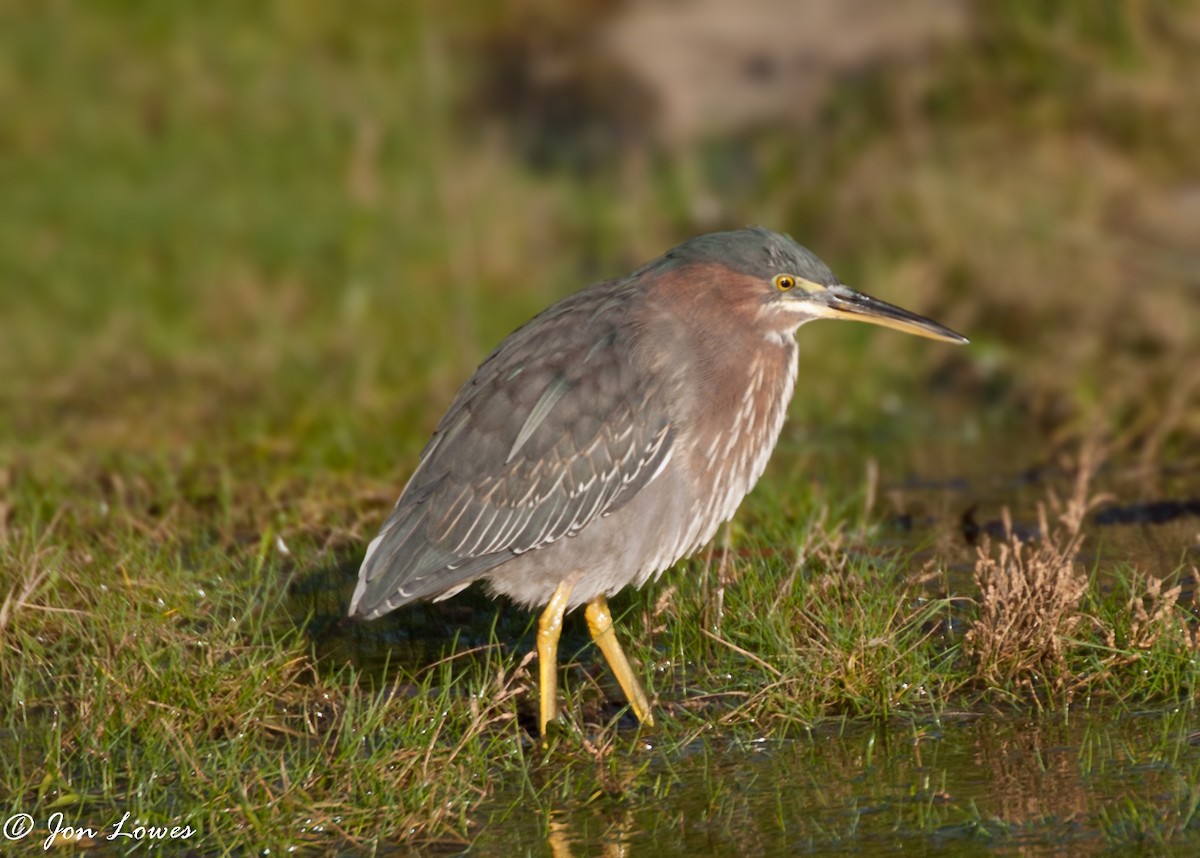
(729, 445)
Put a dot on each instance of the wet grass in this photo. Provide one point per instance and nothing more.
(213, 683)
(247, 256)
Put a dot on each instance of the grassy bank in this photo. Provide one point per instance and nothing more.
(208, 680)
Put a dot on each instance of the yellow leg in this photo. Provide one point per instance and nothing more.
(549, 630)
(600, 624)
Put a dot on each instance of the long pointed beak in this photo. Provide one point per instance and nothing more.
(842, 302)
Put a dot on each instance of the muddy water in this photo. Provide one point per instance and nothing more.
(1074, 783)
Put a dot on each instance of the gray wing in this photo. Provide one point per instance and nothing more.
(557, 427)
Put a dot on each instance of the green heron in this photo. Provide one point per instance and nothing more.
(610, 436)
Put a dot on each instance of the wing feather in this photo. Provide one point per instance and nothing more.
(557, 428)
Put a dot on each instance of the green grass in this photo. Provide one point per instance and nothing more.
(205, 680)
(247, 254)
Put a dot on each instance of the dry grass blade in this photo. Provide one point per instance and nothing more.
(15, 599)
(1153, 609)
(20, 594)
(770, 668)
(1030, 594)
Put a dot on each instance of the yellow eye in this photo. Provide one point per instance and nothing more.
(784, 282)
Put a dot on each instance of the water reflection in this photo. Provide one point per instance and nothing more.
(614, 843)
(1074, 784)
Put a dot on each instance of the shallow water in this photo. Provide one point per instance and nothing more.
(1073, 783)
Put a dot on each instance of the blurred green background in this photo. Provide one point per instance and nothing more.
(300, 225)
